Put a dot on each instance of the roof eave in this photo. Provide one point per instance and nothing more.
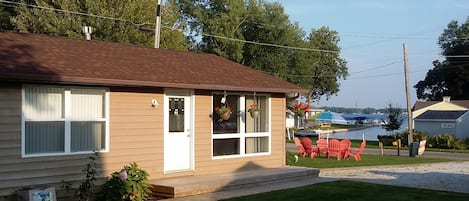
(437, 120)
(139, 83)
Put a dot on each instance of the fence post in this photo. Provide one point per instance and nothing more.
(398, 147)
(380, 144)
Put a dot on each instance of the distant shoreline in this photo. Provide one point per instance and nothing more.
(342, 130)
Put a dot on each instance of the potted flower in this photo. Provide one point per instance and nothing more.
(224, 112)
(254, 110)
(300, 109)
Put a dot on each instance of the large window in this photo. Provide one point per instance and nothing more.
(63, 120)
(241, 133)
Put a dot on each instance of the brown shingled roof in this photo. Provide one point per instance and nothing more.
(462, 103)
(38, 58)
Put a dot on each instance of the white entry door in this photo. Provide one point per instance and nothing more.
(178, 133)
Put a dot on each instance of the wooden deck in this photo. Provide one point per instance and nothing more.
(194, 185)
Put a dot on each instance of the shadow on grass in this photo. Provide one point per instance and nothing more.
(351, 190)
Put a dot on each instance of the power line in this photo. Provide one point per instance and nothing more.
(378, 67)
(73, 12)
(391, 38)
(386, 37)
(382, 75)
(141, 24)
(269, 44)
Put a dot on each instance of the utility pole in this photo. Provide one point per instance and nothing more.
(158, 24)
(410, 137)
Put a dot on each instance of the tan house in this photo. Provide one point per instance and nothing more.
(440, 117)
(61, 99)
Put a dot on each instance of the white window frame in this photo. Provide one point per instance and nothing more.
(67, 121)
(242, 135)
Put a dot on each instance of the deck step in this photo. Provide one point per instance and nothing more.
(194, 185)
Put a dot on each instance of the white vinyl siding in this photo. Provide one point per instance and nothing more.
(64, 120)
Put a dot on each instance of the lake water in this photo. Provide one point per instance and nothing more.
(370, 134)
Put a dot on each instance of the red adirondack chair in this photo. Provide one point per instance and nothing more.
(322, 146)
(344, 147)
(333, 149)
(299, 146)
(307, 144)
(356, 153)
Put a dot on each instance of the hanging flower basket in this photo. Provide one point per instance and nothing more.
(300, 113)
(224, 112)
(300, 109)
(254, 110)
(225, 116)
(255, 113)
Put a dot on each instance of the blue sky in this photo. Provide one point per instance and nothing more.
(372, 33)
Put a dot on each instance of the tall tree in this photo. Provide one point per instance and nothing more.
(5, 13)
(212, 19)
(118, 21)
(322, 69)
(266, 23)
(394, 122)
(451, 76)
(173, 27)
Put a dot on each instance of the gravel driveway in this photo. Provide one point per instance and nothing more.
(448, 176)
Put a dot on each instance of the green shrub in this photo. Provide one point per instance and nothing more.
(419, 136)
(461, 143)
(416, 136)
(442, 141)
(387, 139)
(85, 192)
(290, 158)
(131, 183)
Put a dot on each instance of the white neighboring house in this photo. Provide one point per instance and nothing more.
(434, 122)
(314, 111)
(292, 120)
(445, 105)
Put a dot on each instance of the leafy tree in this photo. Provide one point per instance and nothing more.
(263, 22)
(220, 18)
(172, 27)
(123, 20)
(268, 24)
(5, 13)
(323, 69)
(451, 76)
(393, 118)
(368, 110)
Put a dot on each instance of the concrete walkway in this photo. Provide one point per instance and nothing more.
(450, 176)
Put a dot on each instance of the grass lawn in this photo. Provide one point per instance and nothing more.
(350, 190)
(367, 160)
(374, 145)
(448, 150)
(355, 143)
